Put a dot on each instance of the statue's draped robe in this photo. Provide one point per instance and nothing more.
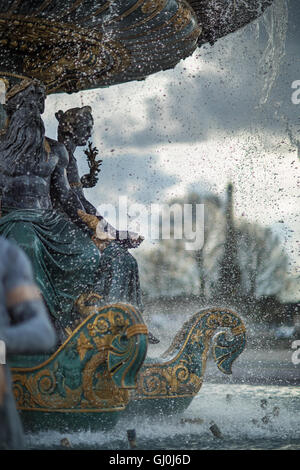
(65, 260)
(119, 276)
(24, 331)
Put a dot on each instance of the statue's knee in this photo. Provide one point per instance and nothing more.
(24, 236)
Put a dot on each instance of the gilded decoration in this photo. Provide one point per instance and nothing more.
(182, 18)
(70, 58)
(152, 6)
(78, 377)
(84, 46)
(181, 373)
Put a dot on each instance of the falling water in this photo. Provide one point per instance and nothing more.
(274, 22)
(244, 413)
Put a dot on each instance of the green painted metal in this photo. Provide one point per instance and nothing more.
(84, 384)
(86, 381)
(167, 384)
(126, 351)
(56, 247)
(35, 421)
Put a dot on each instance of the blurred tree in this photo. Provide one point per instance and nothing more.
(240, 262)
(262, 260)
(169, 269)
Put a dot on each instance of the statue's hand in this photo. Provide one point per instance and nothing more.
(91, 153)
(128, 239)
(3, 386)
(133, 240)
(89, 181)
(95, 225)
(90, 220)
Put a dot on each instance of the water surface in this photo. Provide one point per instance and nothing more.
(248, 417)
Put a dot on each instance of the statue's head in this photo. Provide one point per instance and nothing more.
(24, 138)
(76, 124)
(28, 93)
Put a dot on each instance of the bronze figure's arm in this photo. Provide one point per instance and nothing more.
(74, 130)
(62, 190)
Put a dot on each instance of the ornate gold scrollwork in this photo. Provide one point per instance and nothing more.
(182, 18)
(182, 375)
(173, 380)
(87, 303)
(83, 345)
(151, 6)
(76, 377)
(98, 386)
(136, 330)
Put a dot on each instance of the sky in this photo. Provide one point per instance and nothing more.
(210, 121)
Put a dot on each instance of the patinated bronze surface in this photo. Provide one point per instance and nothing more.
(219, 18)
(33, 167)
(75, 45)
(84, 384)
(29, 161)
(75, 380)
(74, 130)
(34, 171)
(82, 44)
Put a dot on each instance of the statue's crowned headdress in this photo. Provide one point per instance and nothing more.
(71, 116)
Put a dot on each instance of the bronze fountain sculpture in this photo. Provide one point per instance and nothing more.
(103, 340)
(114, 338)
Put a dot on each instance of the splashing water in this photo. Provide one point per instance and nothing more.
(248, 417)
(275, 24)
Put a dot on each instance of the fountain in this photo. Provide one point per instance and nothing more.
(86, 382)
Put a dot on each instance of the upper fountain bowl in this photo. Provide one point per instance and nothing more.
(78, 45)
(82, 44)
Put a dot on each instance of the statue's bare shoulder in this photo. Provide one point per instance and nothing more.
(60, 151)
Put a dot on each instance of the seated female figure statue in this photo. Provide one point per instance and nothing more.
(119, 276)
(74, 130)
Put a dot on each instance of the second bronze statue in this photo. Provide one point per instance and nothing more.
(119, 270)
